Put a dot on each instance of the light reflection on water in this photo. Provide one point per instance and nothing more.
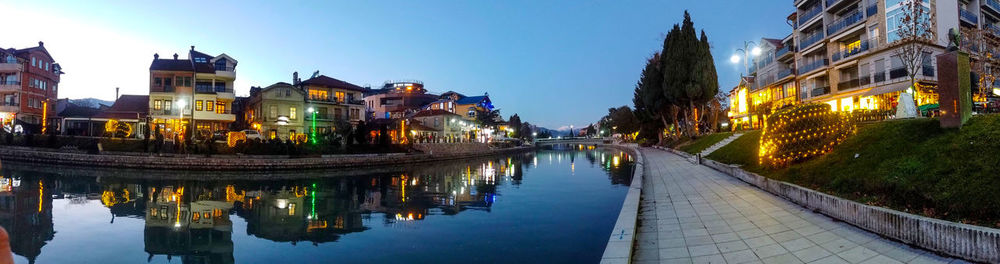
(500, 209)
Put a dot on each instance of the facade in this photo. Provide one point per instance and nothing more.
(331, 100)
(397, 99)
(201, 83)
(277, 111)
(439, 126)
(470, 106)
(84, 121)
(29, 81)
(844, 53)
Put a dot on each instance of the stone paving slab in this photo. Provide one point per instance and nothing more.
(694, 214)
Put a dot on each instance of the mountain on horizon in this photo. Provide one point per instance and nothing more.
(91, 102)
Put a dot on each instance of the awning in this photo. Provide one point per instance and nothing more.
(887, 89)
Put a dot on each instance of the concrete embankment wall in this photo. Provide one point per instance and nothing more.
(622, 237)
(964, 241)
(235, 163)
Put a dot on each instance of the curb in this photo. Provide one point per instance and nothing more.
(622, 240)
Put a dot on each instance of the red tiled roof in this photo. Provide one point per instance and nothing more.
(323, 80)
(127, 107)
(435, 112)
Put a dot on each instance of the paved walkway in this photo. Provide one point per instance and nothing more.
(720, 144)
(694, 214)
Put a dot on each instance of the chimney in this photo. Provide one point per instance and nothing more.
(41, 44)
(295, 78)
(192, 47)
(156, 56)
(175, 56)
(116, 93)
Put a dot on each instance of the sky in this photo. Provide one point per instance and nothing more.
(554, 63)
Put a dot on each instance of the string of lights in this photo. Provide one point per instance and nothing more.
(801, 132)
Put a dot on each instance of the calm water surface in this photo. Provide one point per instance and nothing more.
(556, 205)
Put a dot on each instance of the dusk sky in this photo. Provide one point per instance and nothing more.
(553, 63)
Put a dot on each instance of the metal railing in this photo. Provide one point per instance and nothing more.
(810, 13)
(813, 66)
(897, 73)
(163, 88)
(879, 76)
(809, 40)
(928, 70)
(865, 80)
(784, 50)
(820, 91)
(830, 3)
(847, 53)
(872, 10)
(992, 4)
(225, 68)
(968, 16)
(785, 73)
(849, 84)
(10, 83)
(845, 21)
(992, 28)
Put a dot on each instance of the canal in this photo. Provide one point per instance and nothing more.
(549, 205)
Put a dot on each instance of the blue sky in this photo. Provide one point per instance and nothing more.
(554, 63)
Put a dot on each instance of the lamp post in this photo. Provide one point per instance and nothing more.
(312, 131)
(749, 49)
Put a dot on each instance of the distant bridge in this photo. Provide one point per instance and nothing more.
(579, 140)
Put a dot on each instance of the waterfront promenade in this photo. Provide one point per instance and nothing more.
(694, 214)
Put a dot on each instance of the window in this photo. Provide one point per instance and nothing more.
(273, 111)
(32, 61)
(198, 105)
(209, 106)
(46, 66)
(187, 81)
(157, 81)
(220, 108)
(340, 96)
(167, 81)
(220, 65)
(200, 60)
(317, 94)
(166, 105)
(338, 113)
(288, 92)
(437, 121)
(180, 81)
(157, 104)
(355, 114)
(291, 113)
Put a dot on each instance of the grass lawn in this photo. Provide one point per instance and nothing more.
(704, 142)
(909, 165)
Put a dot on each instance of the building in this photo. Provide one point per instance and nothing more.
(29, 82)
(85, 121)
(277, 111)
(331, 100)
(439, 126)
(470, 106)
(397, 99)
(202, 83)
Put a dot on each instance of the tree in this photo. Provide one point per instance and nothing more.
(526, 131)
(916, 35)
(651, 106)
(514, 123)
(344, 129)
(985, 60)
(590, 130)
(488, 117)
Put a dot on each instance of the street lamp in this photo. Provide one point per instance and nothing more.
(750, 49)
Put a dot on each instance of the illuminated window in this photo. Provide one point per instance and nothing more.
(291, 113)
(273, 111)
(340, 96)
(198, 105)
(166, 105)
(209, 106)
(291, 209)
(318, 94)
(220, 108)
(847, 104)
(157, 105)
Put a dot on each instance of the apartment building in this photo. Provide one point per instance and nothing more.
(277, 111)
(193, 92)
(397, 99)
(331, 100)
(29, 80)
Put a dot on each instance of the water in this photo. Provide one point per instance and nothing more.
(556, 205)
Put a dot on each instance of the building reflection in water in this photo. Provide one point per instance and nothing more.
(191, 220)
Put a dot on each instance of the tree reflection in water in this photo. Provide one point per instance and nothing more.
(190, 219)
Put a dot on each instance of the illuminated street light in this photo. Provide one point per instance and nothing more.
(734, 59)
(747, 52)
(755, 52)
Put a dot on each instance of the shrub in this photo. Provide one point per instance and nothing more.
(801, 132)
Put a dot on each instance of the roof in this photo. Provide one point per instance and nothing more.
(324, 80)
(170, 65)
(73, 110)
(128, 106)
(435, 112)
(449, 93)
(774, 42)
(40, 47)
(472, 99)
(417, 126)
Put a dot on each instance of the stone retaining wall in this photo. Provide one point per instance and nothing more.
(622, 240)
(230, 163)
(451, 148)
(964, 241)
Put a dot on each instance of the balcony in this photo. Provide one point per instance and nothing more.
(847, 53)
(10, 66)
(785, 73)
(10, 108)
(831, 3)
(968, 17)
(992, 29)
(809, 40)
(809, 14)
(865, 80)
(10, 86)
(897, 73)
(820, 91)
(849, 84)
(162, 112)
(225, 72)
(872, 10)
(879, 77)
(844, 22)
(928, 71)
(813, 66)
(787, 49)
(162, 89)
(992, 5)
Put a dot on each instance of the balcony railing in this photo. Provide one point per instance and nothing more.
(10, 83)
(847, 53)
(785, 73)
(163, 88)
(225, 68)
(849, 84)
(992, 4)
(844, 22)
(813, 66)
(879, 76)
(865, 80)
(992, 28)
(820, 91)
(872, 10)
(897, 73)
(809, 14)
(968, 16)
(928, 70)
(830, 3)
(809, 40)
(784, 50)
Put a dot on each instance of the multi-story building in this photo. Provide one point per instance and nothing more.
(442, 125)
(277, 110)
(470, 106)
(397, 99)
(197, 90)
(331, 100)
(29, 80)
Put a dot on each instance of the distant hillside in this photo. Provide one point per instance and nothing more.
(90, 102)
